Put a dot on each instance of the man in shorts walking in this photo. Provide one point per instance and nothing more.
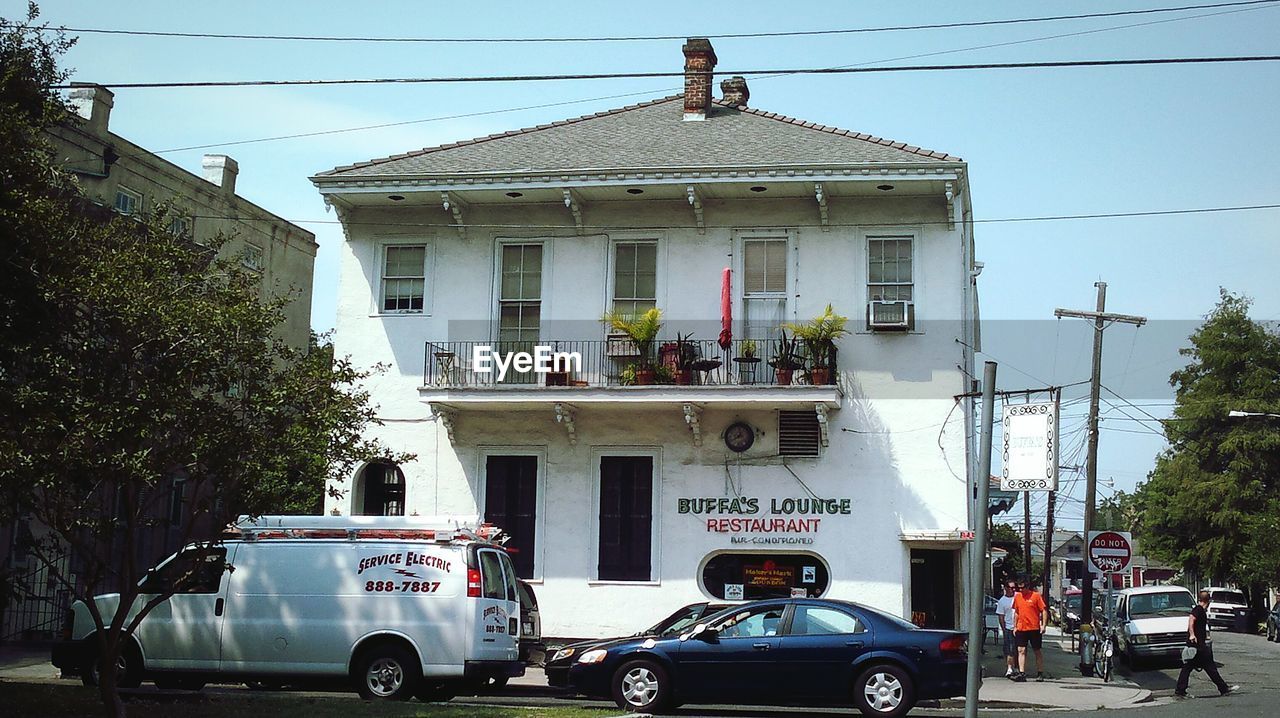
(1006, 616)
(1032, 617)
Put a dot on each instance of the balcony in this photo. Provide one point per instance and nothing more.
(564, 376)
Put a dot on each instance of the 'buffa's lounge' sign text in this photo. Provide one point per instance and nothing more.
(744, 514)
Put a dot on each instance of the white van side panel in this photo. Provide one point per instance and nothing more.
(301, 607)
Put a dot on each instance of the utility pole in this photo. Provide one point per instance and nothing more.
(1100, 320)
(1026, 534)
(1048, 546)
(978, 557)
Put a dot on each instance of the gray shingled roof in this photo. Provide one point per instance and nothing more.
(650, 135)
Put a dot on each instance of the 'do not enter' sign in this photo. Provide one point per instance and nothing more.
(1110, 551)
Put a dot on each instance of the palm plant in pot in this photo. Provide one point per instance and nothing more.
(786, 359)
(819, 336)
(642, 330)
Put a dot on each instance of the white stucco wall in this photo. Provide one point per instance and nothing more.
(897, 442)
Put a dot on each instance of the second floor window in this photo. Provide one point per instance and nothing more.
(128, 201)
(404, 279)
(520, 294)
(635, 277)
(889, 269)
(764, 286)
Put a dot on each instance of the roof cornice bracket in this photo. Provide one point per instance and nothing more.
(822, 206)
(951, 205)
(824, 433)
(692, 417)
(573, 201)
(342, 213)
(456, 206)
(566, 414)
(695, 200)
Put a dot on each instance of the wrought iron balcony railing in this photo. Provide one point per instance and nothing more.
(605, 363)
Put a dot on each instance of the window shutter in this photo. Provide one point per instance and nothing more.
(798, 433)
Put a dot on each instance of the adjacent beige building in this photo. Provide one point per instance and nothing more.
(119, 174)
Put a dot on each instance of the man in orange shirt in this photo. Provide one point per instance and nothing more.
(1032, 618)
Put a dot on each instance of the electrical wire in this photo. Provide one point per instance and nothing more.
(637, 75)
(650, 38)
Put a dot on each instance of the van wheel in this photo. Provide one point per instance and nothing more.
(387, 672)
(128, 668)
(885, 691)
(436, 691)
(642, 686)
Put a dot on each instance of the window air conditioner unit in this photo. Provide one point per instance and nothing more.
(890, 316)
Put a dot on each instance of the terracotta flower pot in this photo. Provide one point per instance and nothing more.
(783, 376)
(646, 377)
(820, 375)
(684, 377)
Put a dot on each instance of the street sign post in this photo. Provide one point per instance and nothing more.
(1109, 552)
(1030, 447)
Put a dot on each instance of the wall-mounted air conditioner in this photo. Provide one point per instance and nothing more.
(890, 316)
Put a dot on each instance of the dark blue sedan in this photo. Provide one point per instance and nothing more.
(787, 651)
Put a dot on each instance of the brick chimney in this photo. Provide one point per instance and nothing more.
(735, 91)
(93, 103)
(699, 62)
(221, 170)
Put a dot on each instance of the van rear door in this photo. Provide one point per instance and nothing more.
(496, 612)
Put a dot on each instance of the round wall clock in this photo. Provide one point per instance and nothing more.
(739, 436)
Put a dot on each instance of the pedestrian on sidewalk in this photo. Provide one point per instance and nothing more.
(1007, 618)
(1032, 619)
(1198, 636)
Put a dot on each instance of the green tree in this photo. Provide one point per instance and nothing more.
(1212, 503)
(130, 359)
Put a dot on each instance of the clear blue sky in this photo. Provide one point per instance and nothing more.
(1038, 142)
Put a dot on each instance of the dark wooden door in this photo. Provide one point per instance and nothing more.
(511, 503)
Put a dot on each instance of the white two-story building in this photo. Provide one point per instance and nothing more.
(625, 500)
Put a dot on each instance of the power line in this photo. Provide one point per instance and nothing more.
(650, 38)
(630, 75)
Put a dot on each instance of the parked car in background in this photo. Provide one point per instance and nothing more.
(532, 650)
(1072, 609)
(1151, 622)
(1273, 623)
(1228, 608)
(557, 666)
(798, 651)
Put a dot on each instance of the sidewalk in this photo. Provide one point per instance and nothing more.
(1064, 688)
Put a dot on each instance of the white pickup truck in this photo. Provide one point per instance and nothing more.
(399, 606)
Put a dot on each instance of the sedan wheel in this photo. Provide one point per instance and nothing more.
(884, 691)
(641, 686)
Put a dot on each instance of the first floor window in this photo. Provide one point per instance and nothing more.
(626, 518)
(383, 490)
(404, 279)
(753, 576)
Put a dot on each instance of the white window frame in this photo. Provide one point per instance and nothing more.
(916, 235)
(132, 194)
(181, 226)
(660, 264)
(380, 268)
(655, 547)
(544, 295)
(741, 237)
(539, 531)
(251, 261)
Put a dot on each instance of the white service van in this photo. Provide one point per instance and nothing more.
(400, 605)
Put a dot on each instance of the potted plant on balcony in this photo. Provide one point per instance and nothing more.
(747, 361)
(819, 336)
(786, 359)
(685, 356)
(642, 330)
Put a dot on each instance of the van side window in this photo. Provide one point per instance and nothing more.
(192, 571)
(491, 579)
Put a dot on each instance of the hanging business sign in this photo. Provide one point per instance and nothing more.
(1030, 447)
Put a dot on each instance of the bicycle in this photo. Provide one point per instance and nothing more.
(1104, 648)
